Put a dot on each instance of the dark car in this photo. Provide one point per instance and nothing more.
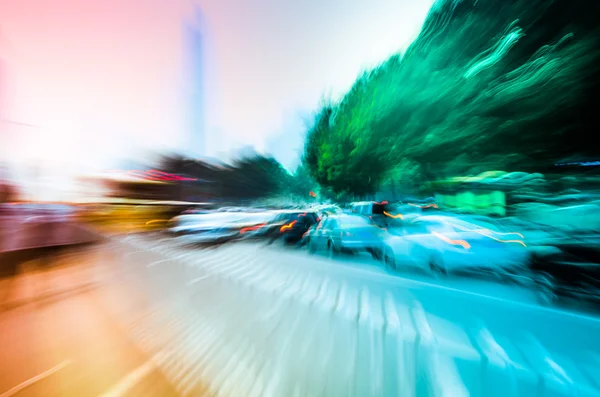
(569, 269)
(290, 226)
(384, 213)
(375, 210)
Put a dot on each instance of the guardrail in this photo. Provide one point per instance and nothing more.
(242, 323)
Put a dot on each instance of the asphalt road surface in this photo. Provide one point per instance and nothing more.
(516, 290)
(146, 316)
(58, 339)
(256, 320)
(300, 257)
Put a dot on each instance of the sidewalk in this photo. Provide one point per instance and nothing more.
(43, 275)
(58, 339)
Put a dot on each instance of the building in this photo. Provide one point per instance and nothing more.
(195, 83)
(3, 104)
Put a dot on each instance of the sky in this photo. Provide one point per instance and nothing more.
(84, 83)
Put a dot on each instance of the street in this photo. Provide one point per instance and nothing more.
(299, 199)
(58, 339)
(145, 315)
(243, 310)
(361, 263)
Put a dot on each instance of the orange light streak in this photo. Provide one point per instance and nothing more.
(462, 243)
(288, 226)
(251, 228)
(398, 216)
(433, 205)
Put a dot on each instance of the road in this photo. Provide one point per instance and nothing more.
(144, 315)
(363, 263)
(262, 321)
(58, 339)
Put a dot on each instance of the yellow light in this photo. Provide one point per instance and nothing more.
(488, 233)
(433, 205)
(506, 241)
(156, 221)
(288, 226)
(462, 243)
(399, 216)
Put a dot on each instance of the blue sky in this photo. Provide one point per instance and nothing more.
(276, 60)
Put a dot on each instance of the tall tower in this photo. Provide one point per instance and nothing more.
(195, 84)
(3, 90)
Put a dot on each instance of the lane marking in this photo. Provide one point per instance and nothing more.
(194, 281)
(129, 381)
(135, 252)
(159, 261)
(36, 378)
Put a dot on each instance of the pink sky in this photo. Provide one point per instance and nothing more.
(104, 79)
(93, 76)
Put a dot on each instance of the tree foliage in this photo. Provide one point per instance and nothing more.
(508, 84)
(248, 178)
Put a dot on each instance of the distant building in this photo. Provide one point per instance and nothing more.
(195, 84)
(3, 103)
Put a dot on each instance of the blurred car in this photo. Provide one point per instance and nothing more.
(445, 244)
(291, 225)
(372, 209)
(568, 269)
(258, 225)
(329, 209)
(228, 209)
(215, 227)
(384, 213)
(126, 217)
(311, 230)
(197, 211)
(348, 233)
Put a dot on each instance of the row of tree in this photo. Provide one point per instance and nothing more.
(249, 178)
(487, 84)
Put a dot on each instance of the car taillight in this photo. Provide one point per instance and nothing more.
(347, 234)
(287, 226)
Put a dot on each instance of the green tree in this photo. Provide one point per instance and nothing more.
(486, 83)
(248, 178)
